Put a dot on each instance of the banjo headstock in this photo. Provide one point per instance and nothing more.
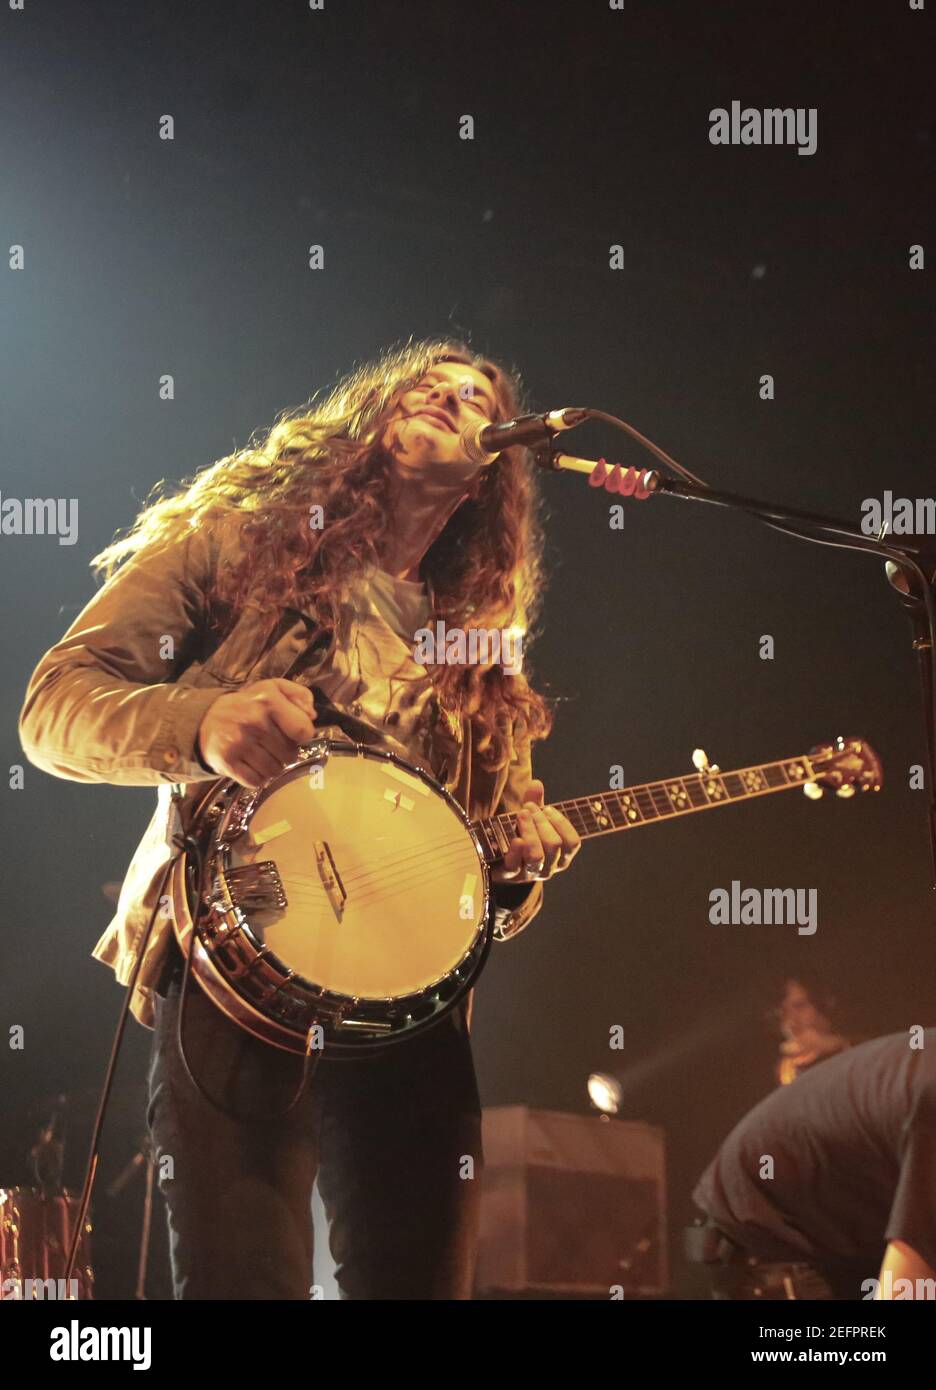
(846, 766)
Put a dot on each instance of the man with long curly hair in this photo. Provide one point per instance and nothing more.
(321, 551)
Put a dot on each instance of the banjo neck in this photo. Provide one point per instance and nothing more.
(840, 767)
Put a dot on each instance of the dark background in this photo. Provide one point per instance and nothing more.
(341, 128)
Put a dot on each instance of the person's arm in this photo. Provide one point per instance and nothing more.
(901, 1261)
(910, 1232)
(547, 838)
(102, 705)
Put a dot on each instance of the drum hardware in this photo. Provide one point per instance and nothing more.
(36, 1228)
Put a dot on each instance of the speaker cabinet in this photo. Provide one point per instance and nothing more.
(571, 1204)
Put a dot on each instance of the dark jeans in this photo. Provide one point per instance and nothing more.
(389, 1138)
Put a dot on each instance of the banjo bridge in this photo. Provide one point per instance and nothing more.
(330, 877)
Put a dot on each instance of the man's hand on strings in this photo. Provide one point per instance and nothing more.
(252, 733)
(544, 842)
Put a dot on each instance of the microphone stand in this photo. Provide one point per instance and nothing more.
(907, 556)
(144, 1157)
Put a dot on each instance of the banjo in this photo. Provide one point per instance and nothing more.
(347, 902)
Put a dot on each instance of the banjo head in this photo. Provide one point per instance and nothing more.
(349, 891)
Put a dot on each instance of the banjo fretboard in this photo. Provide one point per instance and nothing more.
(648, 803)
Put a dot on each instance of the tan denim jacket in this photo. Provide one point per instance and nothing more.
(119, 699)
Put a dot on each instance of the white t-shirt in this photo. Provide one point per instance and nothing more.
(371, 673)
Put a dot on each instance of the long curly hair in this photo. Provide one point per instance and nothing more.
(484, 568)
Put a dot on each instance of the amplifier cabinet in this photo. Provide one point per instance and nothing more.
(571, 1204)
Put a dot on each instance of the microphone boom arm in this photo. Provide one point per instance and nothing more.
(808, 526)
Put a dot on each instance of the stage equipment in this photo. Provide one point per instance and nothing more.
(910, 564)
(571, 1204)
(36, 1228)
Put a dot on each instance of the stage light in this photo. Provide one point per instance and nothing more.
(604, 1092)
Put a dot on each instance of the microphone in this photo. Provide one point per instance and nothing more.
(906, 582)
(912, 598)
(482, 443)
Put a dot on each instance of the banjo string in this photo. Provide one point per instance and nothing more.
(357, 876)
(401, 883)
